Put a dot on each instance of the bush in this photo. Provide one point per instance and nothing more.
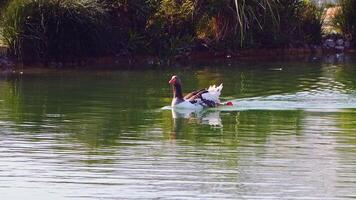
(3, 3)
(171, 28)
(311, 23)
(74, 29)
(345, 20)
(129, 19)
(233, 22)
(300, 23)
(268, 23)
(55, 29)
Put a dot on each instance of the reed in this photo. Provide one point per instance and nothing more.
(55, 29)
(63, 30)
(236, 20)
(269, 23)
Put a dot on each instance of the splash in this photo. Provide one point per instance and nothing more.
(319, 101)
(327, 100)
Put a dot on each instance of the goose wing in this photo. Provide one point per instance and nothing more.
(193, 95)
(196, 95)
(213, 93)
(205, 97)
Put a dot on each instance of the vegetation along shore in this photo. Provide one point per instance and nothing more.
(59, 31)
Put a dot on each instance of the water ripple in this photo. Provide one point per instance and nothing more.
(290, 135)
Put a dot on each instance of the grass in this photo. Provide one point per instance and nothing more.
(55, 29)
(60, 30)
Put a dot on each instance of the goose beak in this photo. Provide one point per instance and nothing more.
(172, 81)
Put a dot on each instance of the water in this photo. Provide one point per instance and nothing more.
(291, 134)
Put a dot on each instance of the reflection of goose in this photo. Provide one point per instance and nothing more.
(211, 118)
(195, 100)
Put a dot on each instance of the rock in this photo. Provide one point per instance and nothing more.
(329, 43)
(5, 62)
(347, 44)
(340, 42)
(329, 59)
(340, 48)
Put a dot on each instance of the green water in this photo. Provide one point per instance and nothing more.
(109, 134)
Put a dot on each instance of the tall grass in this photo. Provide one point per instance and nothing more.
(253, 12)
(72, 29)
(3, 3)
(55, 29)
(235, 20)
(259, 23)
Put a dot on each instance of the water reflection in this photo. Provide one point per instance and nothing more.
(338, 58)
(89, 135)
(208, 117)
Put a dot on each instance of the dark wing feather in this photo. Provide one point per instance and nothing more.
(197, 95)
(193, 94)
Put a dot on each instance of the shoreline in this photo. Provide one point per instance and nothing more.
(273, 54)
(138, 61)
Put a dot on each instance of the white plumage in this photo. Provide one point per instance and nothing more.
(213, 93)
(195, 100)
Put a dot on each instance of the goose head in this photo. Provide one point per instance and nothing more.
(175, 80)
(177, 87)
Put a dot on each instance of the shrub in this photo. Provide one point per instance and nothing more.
(268, 23)
(55, 29)
(3, 3)
(311, 23)
(72, 29)
(345, 20)
(171, 28)
(232, 22)
(129, 19)
(300, 23)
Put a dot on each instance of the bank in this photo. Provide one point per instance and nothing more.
(81, 33)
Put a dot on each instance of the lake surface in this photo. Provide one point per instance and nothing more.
(109, 135)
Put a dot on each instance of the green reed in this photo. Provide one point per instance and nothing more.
(55, 29)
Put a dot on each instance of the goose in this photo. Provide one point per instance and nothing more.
(199, 99)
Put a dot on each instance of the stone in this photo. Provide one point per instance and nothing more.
(347, 44)
(340, 42)
(329, 43)
(340, 48)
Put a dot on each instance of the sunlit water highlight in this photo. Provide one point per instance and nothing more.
(104, 135)
(323, 101)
